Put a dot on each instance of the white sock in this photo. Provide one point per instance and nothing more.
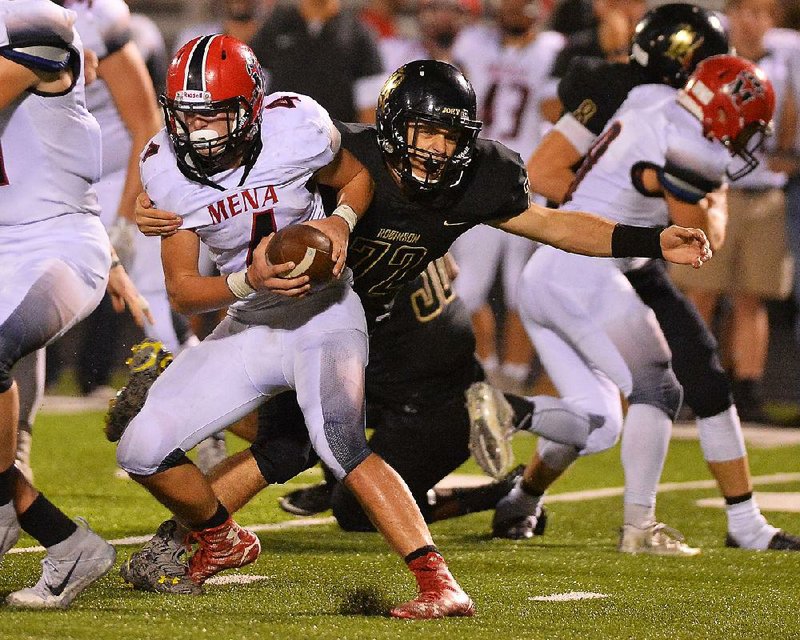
(516, 371)
(490, 364)
(645, 439)
(639, 515)
(518, 503)
(748, 526)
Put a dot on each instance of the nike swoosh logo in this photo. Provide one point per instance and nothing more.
(59, 588)
(454, 224)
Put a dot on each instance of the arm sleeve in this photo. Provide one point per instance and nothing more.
(590, 94)
(693, 166)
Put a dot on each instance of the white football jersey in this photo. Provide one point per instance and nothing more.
(298, 139)
(104, 27)
(649, 127)
(50, 151)
(510, 83)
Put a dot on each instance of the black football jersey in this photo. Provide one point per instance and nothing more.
(397, 237)
(593, 89)
(422, 354)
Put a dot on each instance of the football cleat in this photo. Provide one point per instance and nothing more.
(440, 596)
(491, 425)
(9, 528)
(781, 541)
(148, 361)
(67, 569)
(308, 501)
(658, 539)
(227, 546)
(521, 527)
(160, 565)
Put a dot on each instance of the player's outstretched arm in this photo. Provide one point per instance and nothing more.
(592, 235)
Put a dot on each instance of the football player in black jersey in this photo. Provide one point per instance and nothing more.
(434, 179)
(667, 45)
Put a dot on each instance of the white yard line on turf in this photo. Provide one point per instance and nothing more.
(462, 479)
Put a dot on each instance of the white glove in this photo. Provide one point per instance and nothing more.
(123, 238)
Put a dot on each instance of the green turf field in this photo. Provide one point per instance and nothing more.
(317, 582)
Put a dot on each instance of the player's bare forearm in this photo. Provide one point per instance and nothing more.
(550, 166)
(352, 180)
(573, 231)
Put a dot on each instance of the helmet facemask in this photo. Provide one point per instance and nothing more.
(423, 170)
(744, 147)
(206, 151)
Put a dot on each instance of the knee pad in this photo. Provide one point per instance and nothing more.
(721, 436)
(556, 456)
(558, 421)
(282, 448)
(707, 390)
(659, 387)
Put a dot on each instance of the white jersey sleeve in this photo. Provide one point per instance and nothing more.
(104, 25)
(49, 144)
(36, 33)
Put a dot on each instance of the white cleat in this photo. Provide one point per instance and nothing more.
(67, 569)
(9, 528)
(658, 540)
(491, 425)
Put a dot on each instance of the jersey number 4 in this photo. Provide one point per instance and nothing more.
(263, 225)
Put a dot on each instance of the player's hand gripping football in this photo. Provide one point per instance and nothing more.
(337, 230)
(685, 246)
(263, 275)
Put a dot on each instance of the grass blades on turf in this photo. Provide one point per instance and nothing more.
(319, 582)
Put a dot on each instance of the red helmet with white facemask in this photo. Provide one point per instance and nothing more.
(209, 76)
(734, 100)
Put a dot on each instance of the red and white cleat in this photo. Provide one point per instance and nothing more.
(227, 546)
(440, 596)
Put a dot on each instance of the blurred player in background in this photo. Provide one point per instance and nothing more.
(508, 63)
(56, 262)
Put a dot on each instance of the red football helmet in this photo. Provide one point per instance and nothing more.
(734, 100)
(213, 75)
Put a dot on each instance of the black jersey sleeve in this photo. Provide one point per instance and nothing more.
(592, 90)
(503, 187)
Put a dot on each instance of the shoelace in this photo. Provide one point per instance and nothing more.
(668, 532)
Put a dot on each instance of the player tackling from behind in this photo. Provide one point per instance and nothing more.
(436, 180)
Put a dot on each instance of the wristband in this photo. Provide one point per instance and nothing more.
(237, 283)
(636, 242)
(346, 211)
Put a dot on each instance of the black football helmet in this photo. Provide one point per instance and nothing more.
(434, 93)
(671, 39)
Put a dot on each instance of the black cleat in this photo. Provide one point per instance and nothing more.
(148, 361)
(160, 565)
(308, 501)
(781, 541)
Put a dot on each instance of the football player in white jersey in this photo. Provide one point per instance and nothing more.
(239, 166)
(659, 157)
(55, 259)
(123, 101)
(508, 63)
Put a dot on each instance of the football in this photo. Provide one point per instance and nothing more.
(309, 248)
